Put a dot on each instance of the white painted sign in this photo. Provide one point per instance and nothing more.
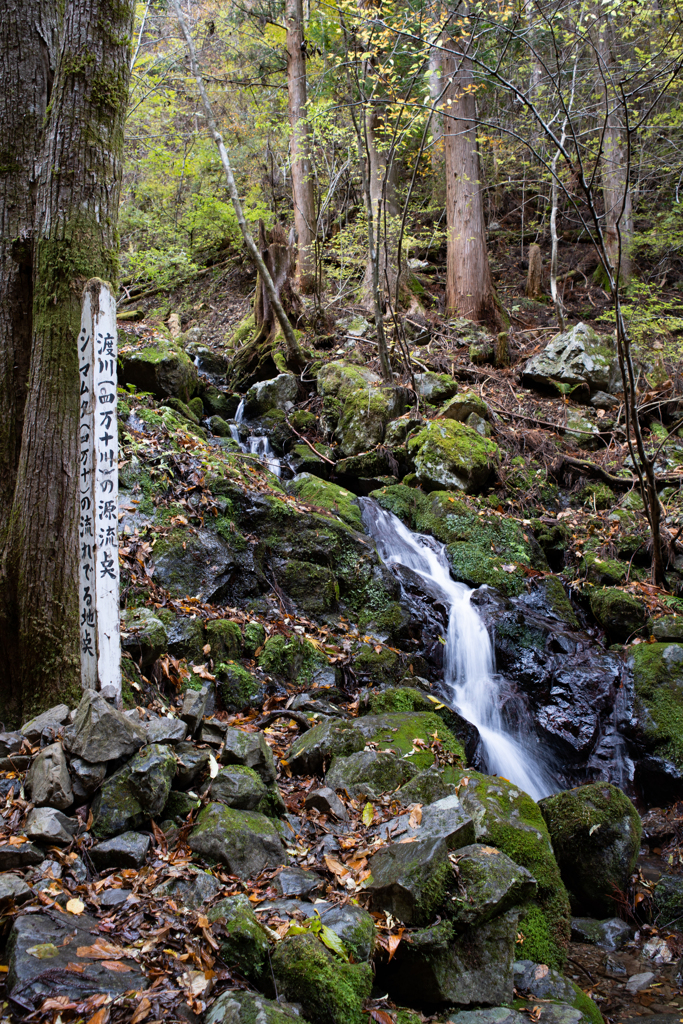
(98, 493)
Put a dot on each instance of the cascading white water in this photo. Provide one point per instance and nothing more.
(259, 446)
(468, 663)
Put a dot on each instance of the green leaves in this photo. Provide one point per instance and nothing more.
(314, 926)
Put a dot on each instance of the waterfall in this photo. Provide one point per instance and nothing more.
(259, 445)
(469, 674)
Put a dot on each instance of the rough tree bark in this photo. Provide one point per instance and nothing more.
(615, 191)
(382, 184)
(300, 147)
(535, 272)
(469, 286)
(76, 206)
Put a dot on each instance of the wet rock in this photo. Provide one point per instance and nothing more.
(192, 765)
(225, 637)
(48, 781)
(369, 773)
(194, 707)
(444, 819)
(243, 940)
(10, 743)
(135, 793)
(278, 393)
(101, 733)
(47, 825)
(410, 880)
(213, 732)
(13, 892)
(621, 615)
(490, 883)
(239, 689)
(246, 841)
(239, 787)
(166, 730)
(658, 713)
(449, 454)
(115, 897)
(179, 805)
(595, 832)
(13, 858)
(39, 950)
(192, 888)
(207, 566)
(472, 968)
(355, 927)
(610, 934)
(577, 357)
(128, 850)
(668, 627)
(86, 777)
(296, 882)
(329, 991)
(234, 1007)
(251, 750)
(409, 734)
(143, 635)
(326, 801)
(48, 724)
(539, 981)
(494, 1015)
(313, 751)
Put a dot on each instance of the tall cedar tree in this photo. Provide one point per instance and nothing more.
(69, 68)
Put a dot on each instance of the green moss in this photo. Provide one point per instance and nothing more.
(312, 586)
(225, 637)
(658, 682)
(598, 496)
(558, 601)
(376, 666)
(330, 991)
(302, 420)
(243, 940)
(254, 637)
(451, 454)
(620, 614)
(294, 658)
(603, 571)
(238, 688)
(399, 698)
(196, 407)
(387, 622)
(398, 731)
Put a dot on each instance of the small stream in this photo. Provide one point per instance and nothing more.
(256, 444)
(469, 674)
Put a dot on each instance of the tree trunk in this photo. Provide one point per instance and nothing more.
(382, 183)
(615, 189)
(75, 230)
(27, 32)
(436, 84)
(469, 286)
(534, 273)
(277, 257)
(300, 146)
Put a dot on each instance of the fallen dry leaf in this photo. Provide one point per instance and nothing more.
(101, 1017)
(75, 906)
(101, 950)
(116, 966)
(415, 818)
(393, 942)
(142, 1011)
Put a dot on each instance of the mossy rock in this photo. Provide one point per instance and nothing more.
(398, 731)
(329, 991)
(598, 496)
(182, 409)
(225, 637)
(465, 405)
(553, 539)
(178, 806)
(294, 658)
(386, 624)
(243, 941)
(218, 403)
(376, 667)
(364, 417)
(369, 773)
(603, 572)
(658, 683)
(254, 637)
(239, 689)
(450, 454)
(595, 832)
(185, 635)
(163, 369)
(312, 753)
(620, 614)
(507, 818)
(435, 388)
(143, 635)
(425, 788)
(668, 627)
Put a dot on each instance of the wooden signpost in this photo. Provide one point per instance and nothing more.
(98, 494)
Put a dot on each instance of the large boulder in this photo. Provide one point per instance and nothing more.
(595, 832)
(48, 724)
(410, 880)
(578, 358)
(163, 369)
(489, 884)
(48, 782)
(101, 733)
(136, 793)
(203, 564)
(246, 841)
(410, 735)
(449, 454)
(278, 393)
(369, 773)
(251, 750)
(243, 939)
(620, 614)
(327, 496)
(312, 752)
(356, 408)
(329, 991)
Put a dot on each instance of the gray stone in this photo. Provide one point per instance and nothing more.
(668, 627)
(245, 841)
(276, 393)
(427, 787)
(601, 400)
(354, 926)
(492, 1015)
(10, 743)
(192, 765)
(179, 805)
(243, 939)
(489, 884)
(46, 825)
(327, 802)
(39, 950)
(474, 968)
(115, 897)
(213, 732)
(578, 356)
(49, 722)
(128, 850)
(465, 405)
(444, 819)
(435, 387)
(370, 773)
(251, 750)
(194, 708)
(410, 879)
(13, 892)
(48, 781)
(296, 882)
(166, 730)
(312, 752)
(639, 982)
(192, 888)
(101, 733)
(86, 777)
(610, 934)
(143, 635)
(234, 1007)
(543, 982)
(135, 793)
(240, 787)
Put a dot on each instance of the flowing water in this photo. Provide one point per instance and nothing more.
(469, 674)
(256, 445)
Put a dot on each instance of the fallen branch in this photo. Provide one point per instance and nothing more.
(592, 469)
(306, 441)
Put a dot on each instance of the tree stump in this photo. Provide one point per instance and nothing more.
(502, 350)
(533, 279)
